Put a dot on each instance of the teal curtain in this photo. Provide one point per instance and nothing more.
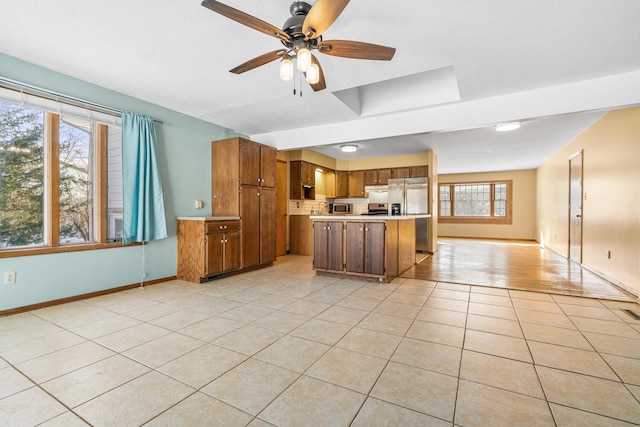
(143, 204)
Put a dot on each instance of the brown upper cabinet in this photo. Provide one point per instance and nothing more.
(342, 184)
(257, 164)
(356, 184)
(330, 184)
(377, 176)
(302, 177)
(410, 172)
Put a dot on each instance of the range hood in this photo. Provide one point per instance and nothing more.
(376, 188)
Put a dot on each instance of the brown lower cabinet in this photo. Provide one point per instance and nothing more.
(377, 249)
(365, 243)
(327, 245)
(301, 235)
(207, 248)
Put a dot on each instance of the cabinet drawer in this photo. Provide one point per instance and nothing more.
(213, 227)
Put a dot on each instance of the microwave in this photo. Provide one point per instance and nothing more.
(340, 208)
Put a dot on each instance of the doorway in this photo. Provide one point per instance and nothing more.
(281, 208)
(575, 207)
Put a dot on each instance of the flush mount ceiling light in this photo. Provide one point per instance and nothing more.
(506, 127)
(349, 148)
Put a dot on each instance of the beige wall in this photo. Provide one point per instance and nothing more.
(523, 225)
(611, 209)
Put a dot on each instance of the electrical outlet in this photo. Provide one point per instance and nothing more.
(198, 204)
(10, 278)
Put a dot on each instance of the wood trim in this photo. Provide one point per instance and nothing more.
(52, 180)
(82, 296)
(60, 249)
(100, 187)
(506, 220)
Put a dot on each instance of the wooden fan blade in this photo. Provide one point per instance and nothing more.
(245, 19)
(321, 16)
(356, 50)
(258, 61)
(321, 83)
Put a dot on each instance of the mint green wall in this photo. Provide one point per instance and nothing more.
(184, 152)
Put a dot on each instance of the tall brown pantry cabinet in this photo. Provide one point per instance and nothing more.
(243, 181)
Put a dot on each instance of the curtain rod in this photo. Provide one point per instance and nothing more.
(54, 96)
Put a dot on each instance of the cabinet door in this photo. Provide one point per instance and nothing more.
(374, 248)
(419, 171)
(355, 247)
(268, 166)
(225, 169)
(342, 184)
(308, 174)
(267, 225)
(214, 254)
(231, 252)
(356, 184)
(383, 176)
(250, 226)
(371, 177)
(401, 173)
(330, 184)
(295, 180)
(328, 245)
(320, 252)
(335, 246)
(249, 163)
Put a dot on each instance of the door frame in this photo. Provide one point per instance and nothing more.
(282, 237)
(579, 156)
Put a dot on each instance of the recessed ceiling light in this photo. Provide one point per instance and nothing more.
(349, 148)
(505, 127)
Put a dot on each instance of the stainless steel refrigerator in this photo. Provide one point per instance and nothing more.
(409, 196)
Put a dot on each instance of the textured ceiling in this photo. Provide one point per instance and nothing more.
(510, 60)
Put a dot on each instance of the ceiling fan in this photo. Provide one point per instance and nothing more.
(301, 34)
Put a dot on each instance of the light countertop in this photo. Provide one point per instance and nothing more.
(208, 218)
(361, 218)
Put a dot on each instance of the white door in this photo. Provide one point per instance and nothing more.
(575, 208)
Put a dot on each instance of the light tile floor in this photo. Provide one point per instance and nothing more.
(282, 346)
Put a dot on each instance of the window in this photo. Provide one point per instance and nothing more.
(475, 203)
(60, 178)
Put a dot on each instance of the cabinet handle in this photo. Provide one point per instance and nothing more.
(328, 228)
(258, 179)
(225, 227)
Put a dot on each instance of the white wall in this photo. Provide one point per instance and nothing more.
(611, 210)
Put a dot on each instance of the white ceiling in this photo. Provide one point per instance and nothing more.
(545, 62)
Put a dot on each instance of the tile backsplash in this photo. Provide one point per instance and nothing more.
(320, 206)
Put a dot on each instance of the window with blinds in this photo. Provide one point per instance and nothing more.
(60, 175)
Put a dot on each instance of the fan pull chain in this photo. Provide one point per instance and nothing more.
(294, 78)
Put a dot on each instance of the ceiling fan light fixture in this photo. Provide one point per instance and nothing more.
(506, 127)
(286, 69)
(349, 148)
(304, 59)
(313, 74)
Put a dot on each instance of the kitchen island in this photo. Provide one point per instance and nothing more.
(371, 246)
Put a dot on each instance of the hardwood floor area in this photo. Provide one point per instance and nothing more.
(519, 265)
